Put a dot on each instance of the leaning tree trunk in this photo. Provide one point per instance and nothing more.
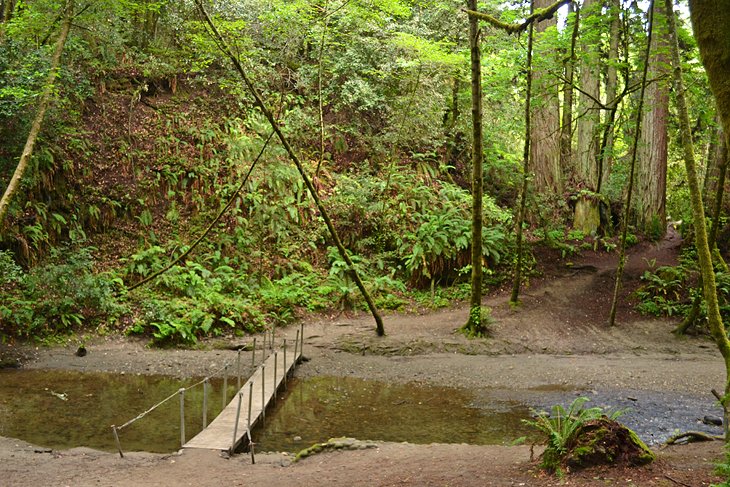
(709, 20)
(223, 45)
(714, 190)
(514, 298)
(651, 176)
(474, 325)
(45, 100)
(632, 171)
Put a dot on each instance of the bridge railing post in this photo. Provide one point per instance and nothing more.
(253, 355)
(296, 346)
(286, 371)
(182, 416)
(263, 393)
(238, 370)
(205, 403)
(275, 367)
(225, 387)
(250, 398)
(235, 426)
(116, 440)
(301, 345)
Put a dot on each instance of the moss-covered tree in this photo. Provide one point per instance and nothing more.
(45, 100)
(474, 325)
(710, 19)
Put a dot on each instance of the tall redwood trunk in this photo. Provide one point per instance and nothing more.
(545, 124)
(651, 175)
(588, 107)
(566, 126)
(606, 159)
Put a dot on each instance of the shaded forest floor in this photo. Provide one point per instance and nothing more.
(555, 346)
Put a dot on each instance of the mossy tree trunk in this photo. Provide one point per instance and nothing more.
(7, 7)
(710, 19)
(474, 325)
(714, 189)
(43, 104)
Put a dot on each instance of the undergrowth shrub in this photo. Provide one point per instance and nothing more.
(671, 290)
(57, 297)
(419, 227)
(663, 291)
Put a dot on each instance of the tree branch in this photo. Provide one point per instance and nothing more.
(539, 15)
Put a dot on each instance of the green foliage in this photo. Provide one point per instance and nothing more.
(723, 469)
(560, 427)
(662, 291)
(57, 297)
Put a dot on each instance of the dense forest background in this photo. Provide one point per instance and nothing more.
(150, 134)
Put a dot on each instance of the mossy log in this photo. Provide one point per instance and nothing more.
(692, 437)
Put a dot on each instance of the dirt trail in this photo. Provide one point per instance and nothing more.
(557, 337)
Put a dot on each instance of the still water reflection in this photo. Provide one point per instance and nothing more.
(320, 408)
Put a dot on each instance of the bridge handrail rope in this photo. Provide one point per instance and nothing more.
(224, 368)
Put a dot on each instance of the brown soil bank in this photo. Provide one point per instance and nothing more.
(556, 338)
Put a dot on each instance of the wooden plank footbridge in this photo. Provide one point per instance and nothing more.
(232, 427)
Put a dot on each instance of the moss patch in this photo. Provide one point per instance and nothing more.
(335, 444)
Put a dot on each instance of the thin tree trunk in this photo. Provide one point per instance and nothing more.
(223, 45)
(514, 298)
(474, 325)
(8, 9)
(632, 170)
(699, 19)
(45, 101)
(716, 164)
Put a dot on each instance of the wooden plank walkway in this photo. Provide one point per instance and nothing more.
(219, 435)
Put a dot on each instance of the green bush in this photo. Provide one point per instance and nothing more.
(662, 291)
(57, 297)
